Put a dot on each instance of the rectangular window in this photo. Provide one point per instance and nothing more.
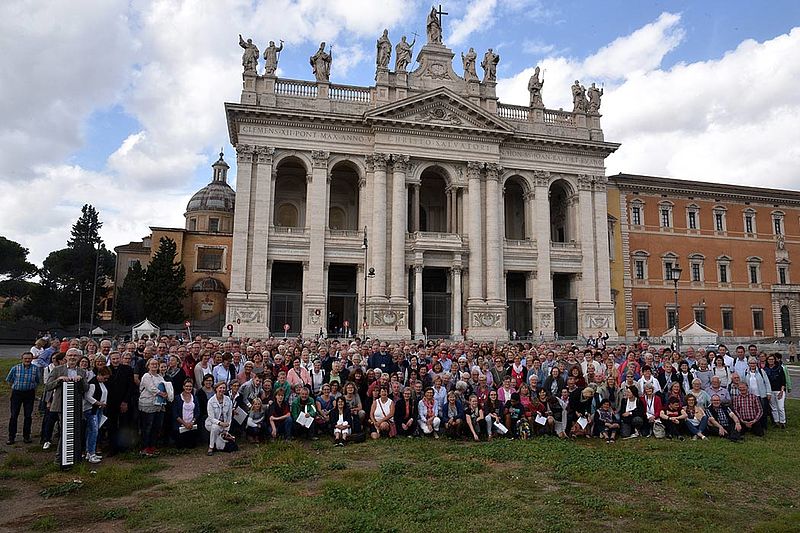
(132, 262)
(748, 224)
(696, 272)
(636, 216)
(209, 259)
(723, 273)
(758, 319)
(753, 274)
(727, 319)
(213, 225)
(700, 316)
(670, 318)
(192, 224)
(692, 220)
(778, 226)
(782, 275)
(643, 318)
(719, 222)
(668, 270)
(639, 269)
(665, 218)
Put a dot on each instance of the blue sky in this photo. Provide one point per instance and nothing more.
(123, 107)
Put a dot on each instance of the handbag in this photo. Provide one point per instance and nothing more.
(659, 431)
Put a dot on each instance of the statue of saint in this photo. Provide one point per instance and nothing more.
(489, 65)
(594, 98)
(535, 88)
(271, 55)
(321, 63)
(469, 64)
(402, 54)
(249, 56)
(384, 47)
(579, 104)
(434, 27)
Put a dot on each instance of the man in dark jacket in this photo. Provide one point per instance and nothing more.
(381, 359)
(120, 390)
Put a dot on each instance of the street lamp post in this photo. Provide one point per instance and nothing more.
(94, 286)
(368, 273)
(675, 274)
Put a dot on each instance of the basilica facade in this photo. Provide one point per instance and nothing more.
(419, 206)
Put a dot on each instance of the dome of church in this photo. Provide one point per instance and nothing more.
(217, 195)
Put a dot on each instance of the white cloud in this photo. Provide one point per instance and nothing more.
(479, 16)
(537, 47)
(729, 120)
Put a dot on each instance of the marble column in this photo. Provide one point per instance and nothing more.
(475, 232)
(417, 301)
(415, 207)
(241, 217)
(494, 253)
(457, 304)
(543, 298)
(377, 233)
(399, 226)
(314, 302)
(448, 194)
(586, 237)
(261, 218)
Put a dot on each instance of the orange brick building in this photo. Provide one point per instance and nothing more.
(737, 247)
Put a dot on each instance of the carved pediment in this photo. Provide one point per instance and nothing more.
(440, 109)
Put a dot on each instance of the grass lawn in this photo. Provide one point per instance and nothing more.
(421, 484)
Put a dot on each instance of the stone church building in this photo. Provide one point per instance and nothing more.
(418, 206)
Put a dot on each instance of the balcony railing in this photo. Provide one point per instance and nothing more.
(288, 230)
(513, 112)
(345, 233)
(350, 93)
(558, 117)
(571, 245)
(305, 89)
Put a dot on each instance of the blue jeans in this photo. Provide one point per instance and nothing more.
(92, 421)
(151, 424)
(700, 428)
(282, 428)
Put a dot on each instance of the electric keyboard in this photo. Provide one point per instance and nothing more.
(71, 418)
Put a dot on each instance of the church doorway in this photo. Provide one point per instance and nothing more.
(290, 194)
(342, 300)
(519, 305)
(436, 302)
(562, 199)
(343, 212)
(514, 207)
(433, 202)
(286, 298)
(566, 305)
(786, 321)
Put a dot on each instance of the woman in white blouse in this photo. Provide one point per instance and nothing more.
(220, 412)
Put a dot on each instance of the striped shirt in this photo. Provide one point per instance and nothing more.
(23, 378)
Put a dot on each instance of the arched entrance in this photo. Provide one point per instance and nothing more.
(290, 194)
(433, 202)
(786, 321)
(561, 212)
(514, 203)
(343, 212)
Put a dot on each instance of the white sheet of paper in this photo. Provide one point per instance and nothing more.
(541, 420)
(240, 415)
(103, 419)
(305, 420)
(583, 422)
(501, 428)
(183, 429)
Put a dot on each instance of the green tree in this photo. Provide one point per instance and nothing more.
(130, 296)
(68, 275)
(163, 285)
(14, 271)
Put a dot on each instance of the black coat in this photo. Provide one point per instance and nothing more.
(120, 386)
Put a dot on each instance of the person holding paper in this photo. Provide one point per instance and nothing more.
(94, 402)
(303, 414)
(185, 414)
(220, 413)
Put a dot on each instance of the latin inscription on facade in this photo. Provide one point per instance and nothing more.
(554, 157)
(311, 135)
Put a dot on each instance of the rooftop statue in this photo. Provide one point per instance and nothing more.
(321, 63)
(271, 56)
(249, 56)
(402, 54)
(535, 88)
(434, 26)
(594, 99)
(384, 47)
(579, 103)
(469, 64)
(489, 65)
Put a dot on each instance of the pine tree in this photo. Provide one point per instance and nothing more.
(130, 296)
(163, 285)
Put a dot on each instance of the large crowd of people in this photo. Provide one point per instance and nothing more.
(162, 391)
